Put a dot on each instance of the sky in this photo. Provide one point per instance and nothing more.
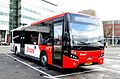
(105, 9)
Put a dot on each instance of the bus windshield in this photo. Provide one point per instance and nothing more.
(85, 30)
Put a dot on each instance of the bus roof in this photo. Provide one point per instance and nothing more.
(33, 28)
(50, 18)
(59, 15)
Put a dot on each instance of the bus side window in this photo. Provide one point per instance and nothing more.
(45, 38)
(34, 39)
(16, 37)
(42, 39)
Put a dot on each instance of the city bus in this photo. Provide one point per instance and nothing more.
(67, 40)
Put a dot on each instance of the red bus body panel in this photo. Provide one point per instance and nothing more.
(48, 50)
(83, 58)
(69, 62)
(73, 63)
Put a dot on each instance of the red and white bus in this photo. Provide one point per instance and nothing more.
(66, 40)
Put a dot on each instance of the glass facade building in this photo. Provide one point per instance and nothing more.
(16, 13)
(24, 12)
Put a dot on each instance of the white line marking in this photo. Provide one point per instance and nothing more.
(108, 69)
(37, 67)
(56, 77)
(49, 76)
(109, 59)
(96, 68)
(65, 75)
(116, 66)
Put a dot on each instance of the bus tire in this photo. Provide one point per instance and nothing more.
(44, 59)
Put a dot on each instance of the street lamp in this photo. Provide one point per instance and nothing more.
(113, 32)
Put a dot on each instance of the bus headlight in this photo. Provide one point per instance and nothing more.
(73, 56)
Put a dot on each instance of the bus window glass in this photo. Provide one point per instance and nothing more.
(85, 30)
(58, 33)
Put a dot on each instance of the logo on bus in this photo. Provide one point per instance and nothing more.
(31, 50)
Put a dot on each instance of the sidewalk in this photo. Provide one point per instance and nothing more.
(112, 57)
(5, 49)
(109, 46)
(4, 45)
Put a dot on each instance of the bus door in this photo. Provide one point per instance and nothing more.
(22, 42)
(57, 45)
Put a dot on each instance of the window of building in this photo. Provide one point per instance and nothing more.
(2, 36)
(28, 17)
(4, 22)
(30, 10)
(4, 13)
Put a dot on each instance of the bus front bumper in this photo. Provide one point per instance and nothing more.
(74, 63)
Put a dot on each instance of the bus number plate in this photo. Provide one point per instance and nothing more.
(89, 63)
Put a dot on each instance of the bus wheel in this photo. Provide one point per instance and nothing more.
(43, 59)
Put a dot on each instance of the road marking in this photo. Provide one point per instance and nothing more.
(95, 68)
(71, 74)
(116, 66)
(101, 76)
(59, 76)
(111, 59)
(48, 75)
(108, 69)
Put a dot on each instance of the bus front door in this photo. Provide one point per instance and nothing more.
(57, 47)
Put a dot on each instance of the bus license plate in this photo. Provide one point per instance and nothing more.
(88, 63)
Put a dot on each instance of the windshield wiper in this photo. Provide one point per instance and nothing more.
(83, 43)
(80, 43)
(88, 47)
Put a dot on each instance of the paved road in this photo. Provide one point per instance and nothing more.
(13, 69)
(112, 52)
(4, 49)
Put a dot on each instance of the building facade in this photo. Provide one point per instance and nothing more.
(24, 12)
(112, 31)
(89, 12)
(16, 13)
(4, 20)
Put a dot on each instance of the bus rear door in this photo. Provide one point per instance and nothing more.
(22, 42)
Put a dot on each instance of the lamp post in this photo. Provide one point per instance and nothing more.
(113, 33)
